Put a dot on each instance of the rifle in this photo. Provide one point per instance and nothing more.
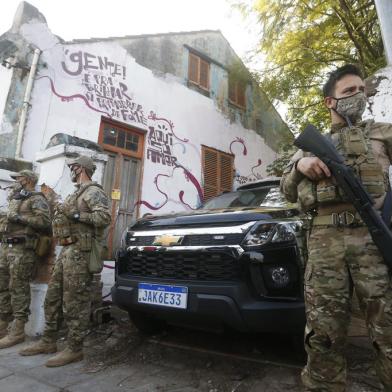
(313, 141)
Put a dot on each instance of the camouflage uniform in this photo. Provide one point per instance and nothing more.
(342, 256)
(27, 217)
(78, 224)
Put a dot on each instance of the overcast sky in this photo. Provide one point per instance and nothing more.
(71, 19)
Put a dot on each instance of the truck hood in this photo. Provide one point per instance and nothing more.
(203, 218)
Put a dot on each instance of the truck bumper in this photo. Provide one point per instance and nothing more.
(217, 306)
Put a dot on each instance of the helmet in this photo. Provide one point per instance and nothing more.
(83, 161)
(26, 173)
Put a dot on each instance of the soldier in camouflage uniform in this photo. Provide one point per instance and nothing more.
(27, 218)
(78, 225)
(342, 255)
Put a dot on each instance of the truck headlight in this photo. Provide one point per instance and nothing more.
(267, 232)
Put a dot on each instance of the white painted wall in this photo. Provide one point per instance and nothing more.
(60, 104)
(380, 105)
(5, 82)
(5, 181)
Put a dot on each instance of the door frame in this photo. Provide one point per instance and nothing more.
(120, 153)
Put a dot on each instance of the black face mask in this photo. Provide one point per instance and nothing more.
(351, 108)
(75, 172)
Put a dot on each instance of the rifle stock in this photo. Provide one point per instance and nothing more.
(311, 140)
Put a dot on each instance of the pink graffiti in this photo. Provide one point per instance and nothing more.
(188, 176)
(72, 97)
(146, 203)
(153, 116)
(241, 141)
(181, 197)
(259, 163)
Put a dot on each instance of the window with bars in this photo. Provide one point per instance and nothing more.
(218, 171)
(199, 72)
(237, 93)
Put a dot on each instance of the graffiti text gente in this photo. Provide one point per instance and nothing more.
(83, 61)
(100, 78)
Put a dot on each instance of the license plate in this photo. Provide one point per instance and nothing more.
(163, 295)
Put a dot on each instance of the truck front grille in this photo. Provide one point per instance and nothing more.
(194, 240)
(182, 265)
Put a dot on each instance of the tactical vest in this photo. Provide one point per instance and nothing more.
(68, 230)
(23, 208)
(355, 146)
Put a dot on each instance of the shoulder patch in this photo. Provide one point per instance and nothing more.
(97, 196)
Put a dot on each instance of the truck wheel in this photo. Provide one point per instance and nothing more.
(147, 324)
(297, 342)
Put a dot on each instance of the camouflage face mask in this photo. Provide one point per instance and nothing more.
(351, 108)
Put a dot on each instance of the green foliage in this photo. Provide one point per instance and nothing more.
(302, 40)
(278, 165)
(239, 73)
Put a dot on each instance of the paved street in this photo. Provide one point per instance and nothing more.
(119, 359)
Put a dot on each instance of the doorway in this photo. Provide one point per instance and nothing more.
(122, 176)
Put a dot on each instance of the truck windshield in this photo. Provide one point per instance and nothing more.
(258, 197)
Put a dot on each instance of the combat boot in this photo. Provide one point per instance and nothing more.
(15, 336)
(64, 358)
(3, 328)
(40, 347)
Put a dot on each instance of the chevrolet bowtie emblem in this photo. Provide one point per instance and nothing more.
(167, 240)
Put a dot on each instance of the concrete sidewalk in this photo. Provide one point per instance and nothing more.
(21, 374)
(148, 368)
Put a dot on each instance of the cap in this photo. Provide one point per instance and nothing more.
(83, 161)
(25, 173)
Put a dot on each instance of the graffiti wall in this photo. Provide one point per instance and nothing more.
(81, 83)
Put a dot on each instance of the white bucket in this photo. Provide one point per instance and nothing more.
(36, 323)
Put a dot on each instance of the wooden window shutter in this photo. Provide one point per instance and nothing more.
(226, 172)
(211, 173)
(204, 74)
(193, 68)
(217, 172)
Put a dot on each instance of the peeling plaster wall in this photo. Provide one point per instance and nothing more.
(67, 97)
(10, 118)
(379, 87)
(168, 54)
(5, 83)
(61, 102)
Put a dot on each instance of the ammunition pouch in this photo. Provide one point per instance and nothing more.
(61, 228)
(88, 243)
(85, 242)
(43, 246)
(373, 179)
(354, 142)
(95, 262)
(327, 192)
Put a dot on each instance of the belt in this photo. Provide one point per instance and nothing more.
(339, 219)
(13, 240)
(67, 241)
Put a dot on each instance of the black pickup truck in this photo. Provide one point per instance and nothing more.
(236, 262)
